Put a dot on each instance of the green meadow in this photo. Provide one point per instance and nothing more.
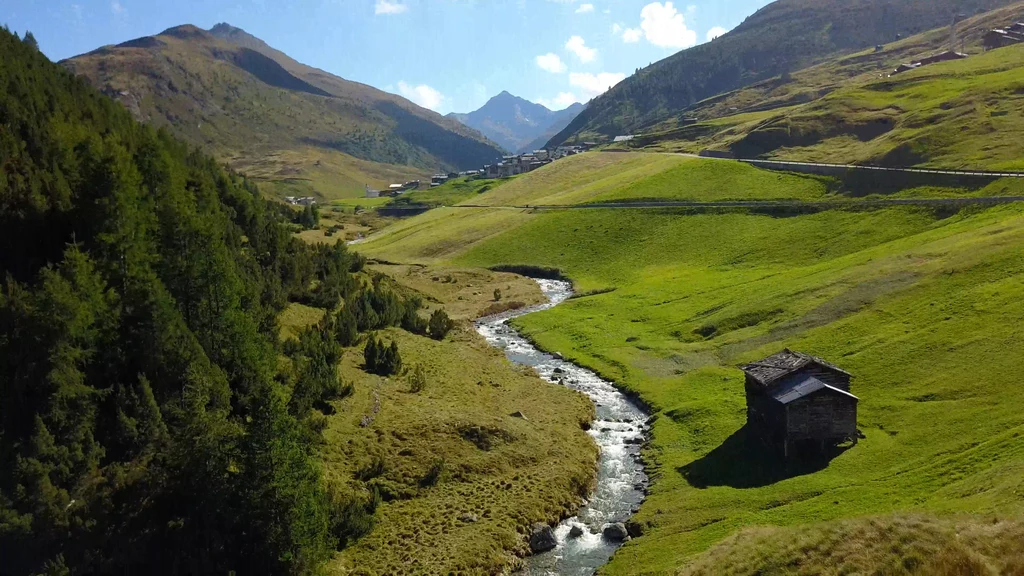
(924, 307)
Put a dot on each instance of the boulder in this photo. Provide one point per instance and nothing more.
(576, 531)
(542, 538)
(519, 414)
(616, 532)
(469, 518)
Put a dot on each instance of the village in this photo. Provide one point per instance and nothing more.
(509, 166)
(993, 39)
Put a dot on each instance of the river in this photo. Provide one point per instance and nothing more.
(618, 431)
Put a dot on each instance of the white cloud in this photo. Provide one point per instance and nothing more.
(560, 102)
(585, 9)
(115, 7)
(616, 29)
(551, 62)
(664, 26)
(578, 46)
(592, 85)
(389, 7)
(715, 33)
(632, 35)
(423, 95)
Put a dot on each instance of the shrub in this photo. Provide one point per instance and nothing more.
(440, 324)
(497, 294)
(418, 381)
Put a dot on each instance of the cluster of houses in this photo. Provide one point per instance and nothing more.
(1002, 37)
(509, 166)
(993, 39)
(515, 164)
(300, 201)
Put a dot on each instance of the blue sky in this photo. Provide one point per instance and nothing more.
(448, 55)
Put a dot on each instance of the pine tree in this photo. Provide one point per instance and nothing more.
(346, 330)
(440, 324)
(30, 40)
(371, 354)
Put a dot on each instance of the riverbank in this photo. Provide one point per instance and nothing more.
(496, 473)
(586, 540)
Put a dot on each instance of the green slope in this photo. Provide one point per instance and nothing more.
(962, 114)
(923, 307)
(785, 36)
(297, 127)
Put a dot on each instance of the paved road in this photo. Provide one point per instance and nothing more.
(979, 173)
(824, 205)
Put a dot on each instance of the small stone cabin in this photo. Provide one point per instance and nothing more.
(795, 398)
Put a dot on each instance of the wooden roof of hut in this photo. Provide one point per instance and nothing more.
(777, 366)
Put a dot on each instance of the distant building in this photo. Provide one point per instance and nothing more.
(1000, 38)
(626, 138)
(371, 193)
(795, 398)
(941, 57)
(438, 179)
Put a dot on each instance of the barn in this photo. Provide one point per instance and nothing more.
(797, 399)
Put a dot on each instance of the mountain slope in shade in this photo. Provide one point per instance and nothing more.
(517, 124)
(784, 36)
(297, 128)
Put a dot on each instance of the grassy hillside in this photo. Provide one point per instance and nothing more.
(298, 129)
(924, 308)
(960, 114)
(964, 114)
(785, 36)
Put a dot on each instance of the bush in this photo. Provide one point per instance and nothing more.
(440, 324)
(418, 382)
(497, 294)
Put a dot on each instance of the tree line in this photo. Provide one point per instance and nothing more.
(146, 422)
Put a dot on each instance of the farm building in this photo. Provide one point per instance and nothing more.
(795, 398)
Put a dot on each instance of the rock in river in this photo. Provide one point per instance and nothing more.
(616, 532)
(542, 538)
(576, 531)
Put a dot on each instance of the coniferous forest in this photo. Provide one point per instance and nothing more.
(148, 423)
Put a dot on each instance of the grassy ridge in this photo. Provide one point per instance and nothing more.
(922, 307)
(298, 130)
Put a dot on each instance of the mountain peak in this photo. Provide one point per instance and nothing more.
(185, 31)
(516, 123)
(225, 28)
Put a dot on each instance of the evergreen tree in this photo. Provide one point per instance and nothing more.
(440, 324)
(30, 40)
(346, 329)
(371, 354)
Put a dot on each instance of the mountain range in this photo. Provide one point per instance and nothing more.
(517, 124)
(784, 36)
(295, 128)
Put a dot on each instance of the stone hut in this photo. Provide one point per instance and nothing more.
(795, 398)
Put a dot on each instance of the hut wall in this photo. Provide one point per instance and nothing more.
(822, 416)
(766, 418)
